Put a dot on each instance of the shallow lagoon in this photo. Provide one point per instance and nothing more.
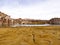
(30, 25)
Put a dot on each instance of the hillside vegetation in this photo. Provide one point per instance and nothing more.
(44, 35)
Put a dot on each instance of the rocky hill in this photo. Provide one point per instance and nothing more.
(6, 20)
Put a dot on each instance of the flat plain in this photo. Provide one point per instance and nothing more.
(34, 35)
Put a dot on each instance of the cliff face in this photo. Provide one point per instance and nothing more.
(55, 21)
(4, 19)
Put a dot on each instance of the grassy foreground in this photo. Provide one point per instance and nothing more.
(43, 35)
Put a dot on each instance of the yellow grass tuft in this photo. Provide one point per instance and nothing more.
(39, 35)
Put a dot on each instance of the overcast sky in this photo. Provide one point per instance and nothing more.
(35, 9)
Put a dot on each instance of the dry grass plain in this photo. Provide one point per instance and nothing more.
(43, 35)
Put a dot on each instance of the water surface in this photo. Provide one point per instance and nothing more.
(30, 25)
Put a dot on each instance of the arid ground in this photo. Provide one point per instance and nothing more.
(38, 35)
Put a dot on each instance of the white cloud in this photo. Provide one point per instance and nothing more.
(43, 10)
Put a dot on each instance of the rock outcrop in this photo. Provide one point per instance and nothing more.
(55, 21)
(5, 19)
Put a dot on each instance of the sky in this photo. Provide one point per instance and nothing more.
(33, 9)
